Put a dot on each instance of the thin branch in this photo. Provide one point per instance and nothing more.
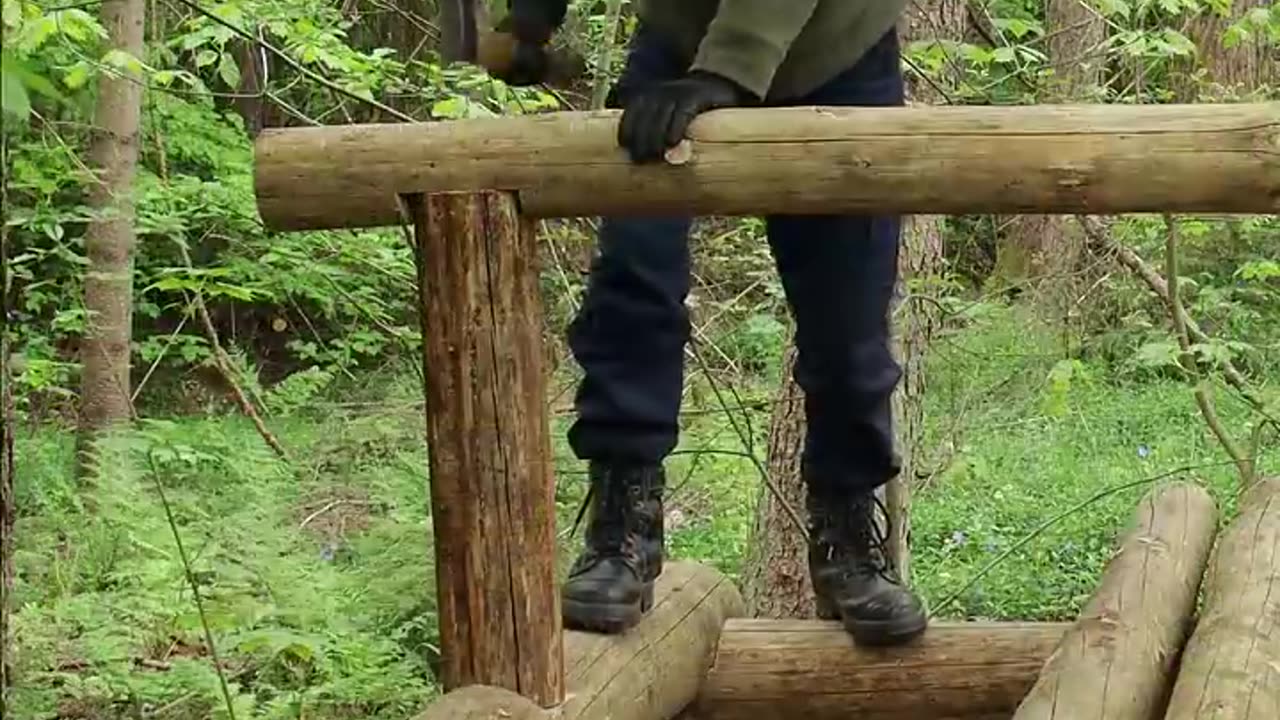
(222, 362)
(1188, 362)
(1101, 239)
(195, 586)
(194, 7)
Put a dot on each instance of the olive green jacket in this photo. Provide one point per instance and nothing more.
(777, 49)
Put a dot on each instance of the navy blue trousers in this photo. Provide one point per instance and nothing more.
(838, 273)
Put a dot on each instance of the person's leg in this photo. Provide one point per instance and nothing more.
(629, 338)
(839, 274)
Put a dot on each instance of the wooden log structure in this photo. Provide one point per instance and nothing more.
(782, 669)
(1231, 665)
(1117, 661)
(651, 672)
(1029, 159)
(492, 487)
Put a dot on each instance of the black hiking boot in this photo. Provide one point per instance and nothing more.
(853, 577)
(610, 585)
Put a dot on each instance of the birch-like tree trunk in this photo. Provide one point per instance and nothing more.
(109, 237)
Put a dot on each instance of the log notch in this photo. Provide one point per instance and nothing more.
(651, 672)
(782, 669)
(1231, 666)
(1116, 662)
(492, 488)
(949, 160)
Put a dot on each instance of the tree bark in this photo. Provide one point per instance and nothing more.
(767, 670)
(920, 265)
(776, 575)
(8, 508)
(652, 671)
(1229, 667)
(752, 161)
(492, 488)
(109, 237)
(1117, 661)
(1037, 252)
(1228, 72)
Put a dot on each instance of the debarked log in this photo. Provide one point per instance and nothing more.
(812, 669)
(1231, 666)
(948, 160)
(1118, 659)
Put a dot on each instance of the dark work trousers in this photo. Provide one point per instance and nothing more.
(838, 274)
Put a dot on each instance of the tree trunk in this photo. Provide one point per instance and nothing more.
(109, 237)
(458, 30)
(921, 261)
(776, 575)
(1228, 72)
(1037, 251)
(8, 511)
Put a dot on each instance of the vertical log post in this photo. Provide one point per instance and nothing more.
(488, 437)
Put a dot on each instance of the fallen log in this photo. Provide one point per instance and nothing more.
(1231, 666)
(651, 672)
(776, 669)
(1099, 159)
(1117, 660)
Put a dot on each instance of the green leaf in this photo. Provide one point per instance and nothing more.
(13, 95)
(229, 70)
(1004, 54)
(77, 76)
(205, 57)
(1156, 355)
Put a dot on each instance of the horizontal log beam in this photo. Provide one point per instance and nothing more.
(947, 160)
(782, 669)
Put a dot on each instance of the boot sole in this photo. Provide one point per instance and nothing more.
(875, 633)
(607, 618)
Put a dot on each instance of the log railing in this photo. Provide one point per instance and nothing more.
(470, 188)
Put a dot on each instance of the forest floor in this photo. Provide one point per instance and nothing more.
(316, 575)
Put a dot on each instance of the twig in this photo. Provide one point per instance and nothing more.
(1053, 520)
(1188, 362)
(223, 365)
(1098, 236)
(195, 586)
(194, 7)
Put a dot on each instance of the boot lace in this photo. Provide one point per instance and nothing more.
(864, 540)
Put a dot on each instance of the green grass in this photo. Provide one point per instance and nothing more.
(316, 575)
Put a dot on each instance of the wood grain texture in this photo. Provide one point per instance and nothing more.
(1118, 659)
(492, 488)
(1231, 666)
(946, 160)
(654, 671)
(812, 669)
(651, 672)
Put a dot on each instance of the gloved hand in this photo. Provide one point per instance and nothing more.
(531, 23)
(657, 118)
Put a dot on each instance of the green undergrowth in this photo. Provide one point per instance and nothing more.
(316, 573)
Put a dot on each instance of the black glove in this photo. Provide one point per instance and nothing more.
(657, 118)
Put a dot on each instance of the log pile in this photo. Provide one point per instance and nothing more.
(1118, 659)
